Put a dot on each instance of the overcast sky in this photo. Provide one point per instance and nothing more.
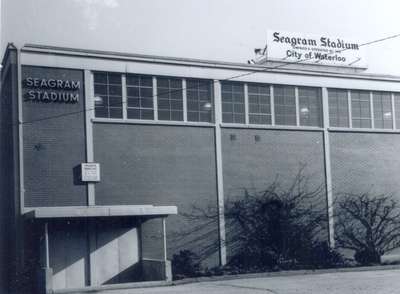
(206, 29)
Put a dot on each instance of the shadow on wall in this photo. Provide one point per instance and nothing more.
(280, 226)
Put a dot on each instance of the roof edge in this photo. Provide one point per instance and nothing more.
(69, 51)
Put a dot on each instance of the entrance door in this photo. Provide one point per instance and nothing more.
(115, 252)
(68, 254)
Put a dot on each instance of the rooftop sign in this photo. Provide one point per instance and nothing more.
(314, 49)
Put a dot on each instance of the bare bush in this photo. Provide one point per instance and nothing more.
(278, 227)
(367, 224)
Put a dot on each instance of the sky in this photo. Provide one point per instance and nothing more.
(219, 30)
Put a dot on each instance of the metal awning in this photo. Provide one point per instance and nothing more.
(99, 211)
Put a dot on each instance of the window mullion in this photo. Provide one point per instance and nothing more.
(296, 93)
(272, 103)
(184, 97)
(393, 112)
(349, 106)
(246, 104)
(371, 106)
(155, 98)
(124, 98)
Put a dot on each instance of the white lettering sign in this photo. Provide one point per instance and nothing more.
(90, 172)
(314, 49)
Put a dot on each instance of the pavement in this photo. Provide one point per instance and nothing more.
(365, 282)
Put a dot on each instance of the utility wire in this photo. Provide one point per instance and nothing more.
(261, 70)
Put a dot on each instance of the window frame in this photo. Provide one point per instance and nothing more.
(272, 104)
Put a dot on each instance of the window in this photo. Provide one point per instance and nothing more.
(397, 109)
(139, 96)
(108, 95)
(170, 99)
(338, 108)
(285, 105)
(360, 109)
(383, 117)
(259, 104)
(310, 107)
(233, 102)
(199, 95)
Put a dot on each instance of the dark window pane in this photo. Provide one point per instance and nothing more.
(132, 80)
(259, 103)
(146, 81)
(164, 115)
(146, 92)
(199, 100)
(115, 101)
(397, 109)
(132, 92)
(163, 104)
(162, 83)
(101, 112)
(114, 79)
(239, 118)
(107, 96)
(310, 107)
(227, 117)
(115, 90)
(100, 90)
(177, 115)
(338, 108)
(170, 98)
(360, 109)
(383, 117)
(193, 116)
(147, 114)
(176, 83)
(176, 94)
(285, 105)
(227, 107)
(115, 112)
(233, 109)
(205, 116)
(177, 104)
(140, 96)
(100, 78)
(133, 113)
(146, 103)
(193, 105)
(133, 102)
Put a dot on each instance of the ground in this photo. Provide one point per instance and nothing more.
(366, 282)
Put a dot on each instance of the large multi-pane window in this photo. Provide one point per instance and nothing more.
(178, 99)
(139, 92)
(259, 104)
(310, 106)
(233, 110)
(285, 105)
(199, 95)
(338, 108)
(360, 109)
(108, 95)
(383, 117)
(170, 99)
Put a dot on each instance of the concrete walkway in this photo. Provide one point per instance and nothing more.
(366, 282)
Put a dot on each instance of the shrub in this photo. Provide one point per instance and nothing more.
(367, 224)
(185, 264)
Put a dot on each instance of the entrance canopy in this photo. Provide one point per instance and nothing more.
(91, 247)
(100, 211)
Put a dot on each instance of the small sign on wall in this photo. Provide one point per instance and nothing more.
(90, 172)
